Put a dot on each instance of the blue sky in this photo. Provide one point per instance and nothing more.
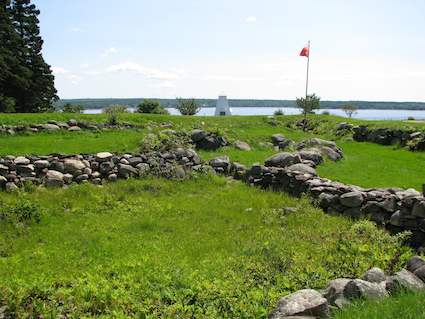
(361, 50)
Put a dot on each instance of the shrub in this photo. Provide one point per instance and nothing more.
(326, 113)
(278, 112)
(349, 109)
(187, 107)
(113, 112)
(410, 118)
(23, 211)
(72, 108)
(308, 104)
(151, 106)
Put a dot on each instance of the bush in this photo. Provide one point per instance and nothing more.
(326, 113)
(187, 107)
(72, 108)
(22, 212)
(150, 106)
(410, 118)
(278, 112)
(349, 109)
(113, 112)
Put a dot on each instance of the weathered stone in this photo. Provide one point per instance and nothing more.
(198, 135)
(50, 127)
(126, 171)
(420, 272)
(334, 291)
(305, 302)
(73, 165)
(375, 275)
(41, 164)
(404, 281)
(312, 155)
(133, 161)
(352, 199)
(419, 209)
(72, 122)
(283, 160)
(11, 187)
(103, 157)
(112, 177)
(80, 178)
(303, 169)
(241, 145)
(415, 263)
(53, 179)
(278, 138)
(359, 288)
(180, 172)
(21, 160)
(221, 161)
(74, 129)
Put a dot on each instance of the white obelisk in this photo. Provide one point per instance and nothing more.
(222, 108)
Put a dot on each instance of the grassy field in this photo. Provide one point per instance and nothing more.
(365, 164)
(406, 306)
(202, 248)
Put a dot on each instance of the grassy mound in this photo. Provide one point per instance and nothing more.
(201, 248)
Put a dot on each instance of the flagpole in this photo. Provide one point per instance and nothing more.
(308, 66)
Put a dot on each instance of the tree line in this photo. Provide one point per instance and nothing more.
(26, 80)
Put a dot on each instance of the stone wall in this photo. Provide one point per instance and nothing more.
(415, 140)
(61, 170)
(70, 125)
(374, 284)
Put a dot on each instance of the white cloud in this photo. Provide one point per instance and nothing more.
(251, 19)
(149, 73)
(78, 30)
(110, 51)
(58, 70)
(75, 79)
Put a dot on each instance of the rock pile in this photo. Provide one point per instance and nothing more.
(207, 140)
(415, 140)
(309, 303)
(70, 125)
(60, 170)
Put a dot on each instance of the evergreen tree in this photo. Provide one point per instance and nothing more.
(35, 91)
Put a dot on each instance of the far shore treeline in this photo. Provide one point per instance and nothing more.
(172, 103)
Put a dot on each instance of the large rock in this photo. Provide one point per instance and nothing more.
(41, 164)
(303, 169)
(359, 288)
(241, 145)
(127, 171)
(415, 263)
(53, 179)
(50, 127)
(404, 281)
(103, 157)
(334, 292)
(21, 160)
(283, 160)
(198, 135)
(312, 155)
(375, 275)
(305, 302)
(73, 165)
(351, 199)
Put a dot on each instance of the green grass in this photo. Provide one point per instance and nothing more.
(201, 248)
(406, 306)
(70, 142)
(365, 164)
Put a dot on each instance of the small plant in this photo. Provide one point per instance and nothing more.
(410, 118)
(308, 105)
(279, 112)
(349, 109)
(151, 106)
(113, 113)
(187, 107)
(326, 113)
(72, 108)
(22, 212)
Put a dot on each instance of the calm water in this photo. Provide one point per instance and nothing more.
(361, 114)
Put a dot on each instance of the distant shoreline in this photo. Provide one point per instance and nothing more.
(246, 103)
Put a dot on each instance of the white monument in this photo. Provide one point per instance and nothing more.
(222, 108)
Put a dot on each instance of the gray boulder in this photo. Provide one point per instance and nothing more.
(53, 179)
(359, 288)
(21, 160)
(334, 292)
(41, 164)
(303, 169)
(11, 187)
(415, 263)
(404, 281)
(241, 145)
(351, 199)
(312, 155)
(305, 302)
(283, 160)
(103, 157)
(73, 165)
(127, 171)
(375, 275)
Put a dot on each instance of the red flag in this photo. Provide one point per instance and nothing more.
(305, 52)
